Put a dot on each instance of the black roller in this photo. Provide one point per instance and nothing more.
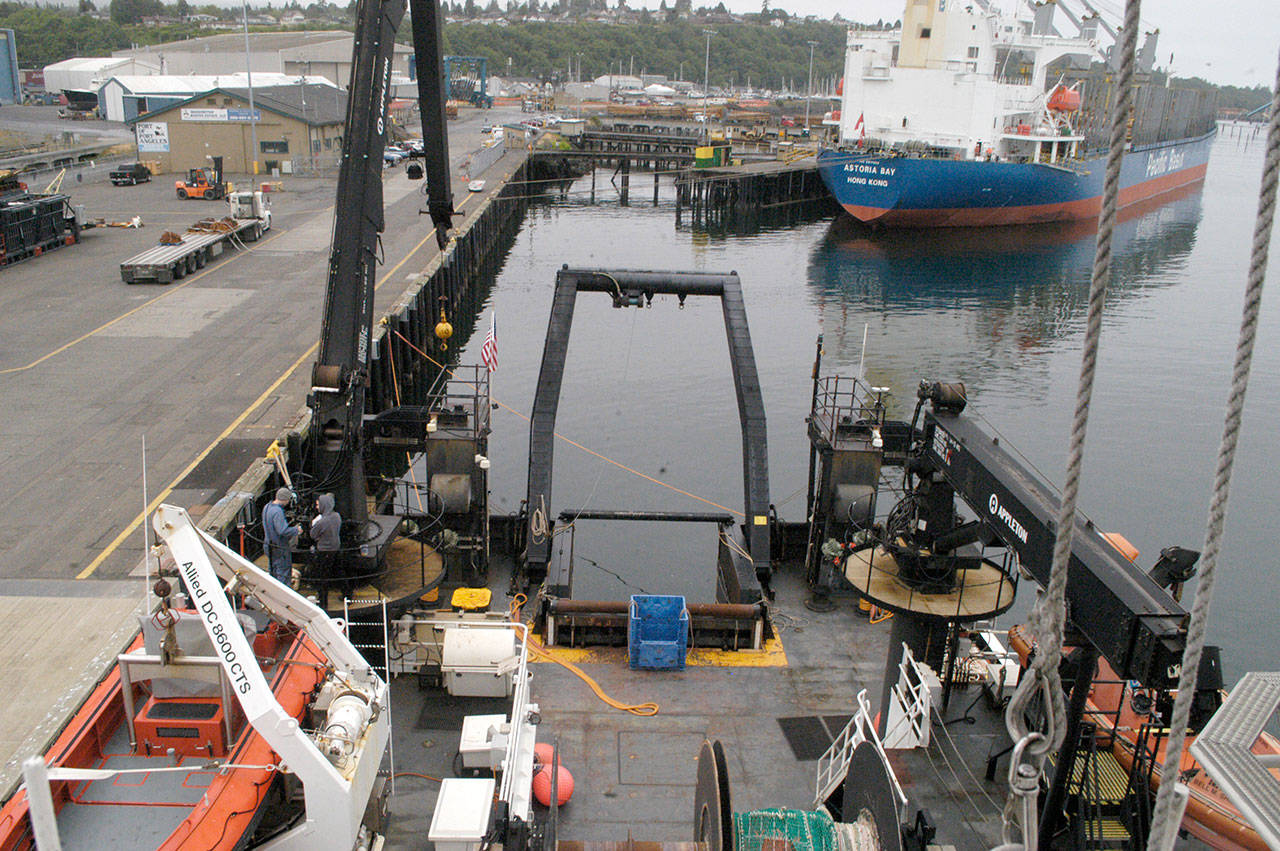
(712, 815)
(868, 797)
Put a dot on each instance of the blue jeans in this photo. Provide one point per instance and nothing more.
(281, 564)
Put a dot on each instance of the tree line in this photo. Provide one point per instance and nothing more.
(765, 56)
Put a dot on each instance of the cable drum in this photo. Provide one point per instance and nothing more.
(454, 491)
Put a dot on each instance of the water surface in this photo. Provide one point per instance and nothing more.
(1002, 310)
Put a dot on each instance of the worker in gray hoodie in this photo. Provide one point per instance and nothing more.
(325, 529)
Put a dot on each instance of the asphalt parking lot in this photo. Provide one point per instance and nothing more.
(89, 364)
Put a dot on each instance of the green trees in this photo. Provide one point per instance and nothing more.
(46, 35)
(133, 11)
(768, 55)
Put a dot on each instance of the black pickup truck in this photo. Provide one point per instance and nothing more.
(128, 174)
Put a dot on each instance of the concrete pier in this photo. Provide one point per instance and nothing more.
(210, 370)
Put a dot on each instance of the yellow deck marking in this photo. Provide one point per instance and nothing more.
(168, 489)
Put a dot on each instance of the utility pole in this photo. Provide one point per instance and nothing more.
(808, 92)
(311, 150)
(706, 84)
(253, 115)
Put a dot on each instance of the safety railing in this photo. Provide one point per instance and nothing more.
(833, 765)
(842, 404)
(910, 706)
(376, 625)
(960, 588)
(517, 761)
(461, 397)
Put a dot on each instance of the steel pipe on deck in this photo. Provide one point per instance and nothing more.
(606, 622)
(655, 283)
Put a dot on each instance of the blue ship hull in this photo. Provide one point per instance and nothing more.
(917, 192)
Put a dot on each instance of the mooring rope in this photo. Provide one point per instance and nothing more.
(1048, 617)
(1165, 818)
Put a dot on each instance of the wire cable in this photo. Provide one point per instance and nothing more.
(577, 445)
(395, 385)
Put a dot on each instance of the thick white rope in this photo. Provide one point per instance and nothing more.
(1048, 618)
(1164, 819)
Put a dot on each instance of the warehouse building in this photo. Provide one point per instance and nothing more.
(298, 127)
(325, 53)
(124, 98)
(80, 78)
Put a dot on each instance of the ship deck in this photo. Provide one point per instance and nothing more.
(775, 714)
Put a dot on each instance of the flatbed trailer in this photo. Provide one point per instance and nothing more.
(163, 264)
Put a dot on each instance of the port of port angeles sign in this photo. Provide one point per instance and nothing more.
(153, 136)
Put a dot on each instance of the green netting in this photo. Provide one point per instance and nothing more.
(806, 831)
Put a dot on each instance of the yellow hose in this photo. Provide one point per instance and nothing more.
(642, 709)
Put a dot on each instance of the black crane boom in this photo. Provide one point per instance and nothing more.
(1122, 611)
(425, 16)
(339, 376)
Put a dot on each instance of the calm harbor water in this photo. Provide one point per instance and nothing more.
(1001, 310)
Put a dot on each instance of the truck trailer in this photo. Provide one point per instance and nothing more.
(248, 218)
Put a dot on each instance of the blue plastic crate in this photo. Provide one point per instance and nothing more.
(658, 632)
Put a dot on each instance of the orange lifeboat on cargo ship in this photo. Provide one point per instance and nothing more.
(1063, 99)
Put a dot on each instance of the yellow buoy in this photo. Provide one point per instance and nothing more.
(443, 330)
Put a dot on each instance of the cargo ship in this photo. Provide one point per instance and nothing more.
(968, 117)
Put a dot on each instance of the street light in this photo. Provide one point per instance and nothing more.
(253, 115)
(808, 92)
(706, 84)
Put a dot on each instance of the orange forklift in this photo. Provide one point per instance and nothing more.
(203, 183)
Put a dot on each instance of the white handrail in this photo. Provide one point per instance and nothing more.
(833, 765)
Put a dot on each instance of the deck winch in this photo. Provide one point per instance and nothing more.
(347, 713)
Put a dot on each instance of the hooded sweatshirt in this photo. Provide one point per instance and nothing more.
(325, 527)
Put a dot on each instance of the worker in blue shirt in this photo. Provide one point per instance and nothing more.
(279, 536)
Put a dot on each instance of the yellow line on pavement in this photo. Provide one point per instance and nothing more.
(168, 292)
(164, 494)
(168, 489)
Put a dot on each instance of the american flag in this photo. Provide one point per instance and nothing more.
(489, 351)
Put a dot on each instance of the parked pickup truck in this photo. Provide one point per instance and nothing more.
(128, 174)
